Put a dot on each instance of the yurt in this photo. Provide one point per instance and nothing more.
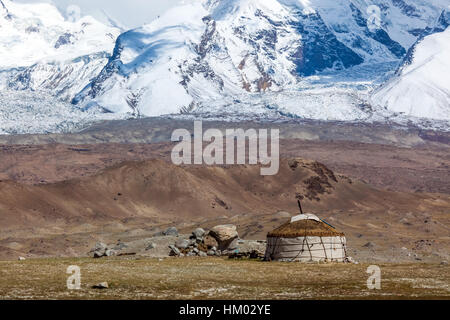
(306, 238)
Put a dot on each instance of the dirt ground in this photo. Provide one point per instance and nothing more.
(218, 278)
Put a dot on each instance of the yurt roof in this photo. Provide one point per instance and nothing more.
(304, 225)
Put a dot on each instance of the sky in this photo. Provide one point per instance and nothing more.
(129, 14)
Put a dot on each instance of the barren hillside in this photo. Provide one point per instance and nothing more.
(64, 218)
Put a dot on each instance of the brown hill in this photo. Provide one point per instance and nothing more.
(153, 193)
(161, 190)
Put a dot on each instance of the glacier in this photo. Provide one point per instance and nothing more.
(34, 112)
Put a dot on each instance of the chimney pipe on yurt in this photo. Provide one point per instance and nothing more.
(306, 238)
(300, 206)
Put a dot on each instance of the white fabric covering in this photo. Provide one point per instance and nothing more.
(306, 216)
(306, 249)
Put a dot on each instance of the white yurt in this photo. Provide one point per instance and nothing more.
(306, 238)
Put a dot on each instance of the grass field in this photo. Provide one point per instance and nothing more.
(218, 278)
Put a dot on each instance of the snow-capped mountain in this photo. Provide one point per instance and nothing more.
(421, 87)
(315, 59)
(41, 50)
(263, 56)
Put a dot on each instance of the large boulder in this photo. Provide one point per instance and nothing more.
(225, 235)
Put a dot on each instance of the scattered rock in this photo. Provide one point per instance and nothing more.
(202, 254)
(198, 233)
(150, 246)
(182, 244)
(99, 246)
(211, 253)
(444, 263)
(351, 260)
(120, 246)
(98, 254)
(253, 254)
(171, 231)
(110, 253)
(99, 250)
(369, 245)
(22, 259)
(174, 251)
(102, 285)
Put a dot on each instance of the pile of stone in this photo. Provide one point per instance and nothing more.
(220, 240)
(101, 250)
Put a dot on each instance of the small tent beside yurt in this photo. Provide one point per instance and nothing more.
(306, 238)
